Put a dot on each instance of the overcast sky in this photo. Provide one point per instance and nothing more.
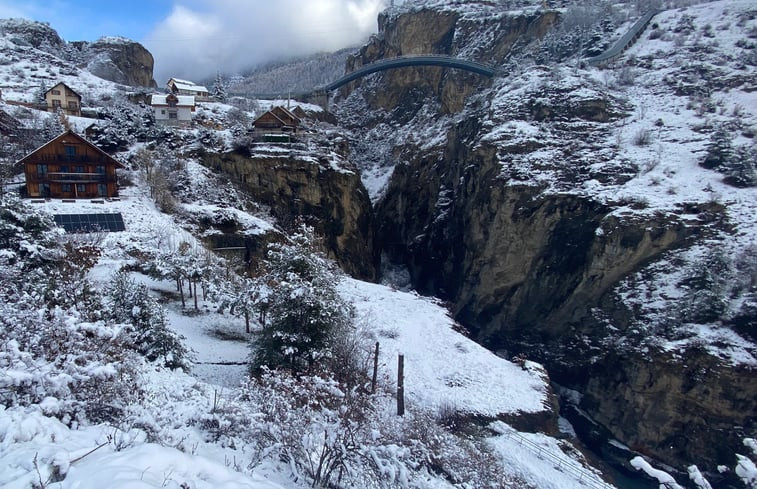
(196, 38)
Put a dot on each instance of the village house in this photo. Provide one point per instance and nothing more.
(186, 87)
(63, 97)
(70, 167)
(278, 121)
(173, 109)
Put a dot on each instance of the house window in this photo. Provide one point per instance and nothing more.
(55, 92)
(173, 114)
(66, 188)
(72, 105)
(100, 169)
(44, 190)
(81, 188)
(63, 168)
(102, 190)
(41, 171)
(56, 104)
(163, 112)
(70, 152)
(79, 169)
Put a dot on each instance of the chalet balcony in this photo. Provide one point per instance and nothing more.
(59, 177)
(68, 159)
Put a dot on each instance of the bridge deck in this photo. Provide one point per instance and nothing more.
(421, 60)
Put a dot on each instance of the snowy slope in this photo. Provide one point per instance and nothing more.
(442, 367)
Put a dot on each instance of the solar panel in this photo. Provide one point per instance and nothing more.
(90, 223)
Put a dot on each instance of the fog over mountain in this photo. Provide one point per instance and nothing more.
(195, 41)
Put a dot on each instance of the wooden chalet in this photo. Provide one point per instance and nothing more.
(70, 167)
(277, 120)
(63, 97)
(299, 112)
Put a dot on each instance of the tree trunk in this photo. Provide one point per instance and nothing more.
(181, 292)
(196, 308)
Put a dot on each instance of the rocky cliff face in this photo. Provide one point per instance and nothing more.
(671, 409)
(491, 206)
(119, 60)
(36, 34)
(330, 197)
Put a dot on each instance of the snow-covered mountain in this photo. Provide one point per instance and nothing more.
(597, 220)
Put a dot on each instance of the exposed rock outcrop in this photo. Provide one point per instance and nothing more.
(36, 34)
(296, 184)
(696, 408)
(449, 33)
(119, 60)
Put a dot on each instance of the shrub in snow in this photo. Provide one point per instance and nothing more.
(642, 137)
(304, 311)
(312, 422)
(131, 303)
(124, 123)
(54, 353)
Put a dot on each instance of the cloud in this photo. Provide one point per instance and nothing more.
(197, 40)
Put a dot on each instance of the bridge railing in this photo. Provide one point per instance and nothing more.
(626, 40)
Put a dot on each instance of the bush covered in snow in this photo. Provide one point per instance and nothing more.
(54, 350)
(130, 303)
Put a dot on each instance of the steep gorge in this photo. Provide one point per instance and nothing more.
(297, 186)
(525, 265)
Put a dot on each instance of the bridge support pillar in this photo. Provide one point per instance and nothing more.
(320, 97)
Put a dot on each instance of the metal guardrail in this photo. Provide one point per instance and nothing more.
(626, 40)
(566, 465)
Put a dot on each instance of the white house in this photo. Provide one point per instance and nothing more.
(173, 109)
(178, 86)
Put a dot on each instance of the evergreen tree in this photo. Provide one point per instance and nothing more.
(219, 89)
(305, 314)
(719, 149)
(131, 303)
(741, 170)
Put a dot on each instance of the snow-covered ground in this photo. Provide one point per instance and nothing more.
(443, 368)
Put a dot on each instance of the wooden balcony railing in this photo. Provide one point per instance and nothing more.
(77, 177)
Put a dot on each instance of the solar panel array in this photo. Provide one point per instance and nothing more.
(90, 223)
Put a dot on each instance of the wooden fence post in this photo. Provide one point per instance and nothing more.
(375, 369)
(401, 385)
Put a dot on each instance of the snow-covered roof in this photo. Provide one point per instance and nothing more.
(179, 80)
(191, 88)
(182, 100)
